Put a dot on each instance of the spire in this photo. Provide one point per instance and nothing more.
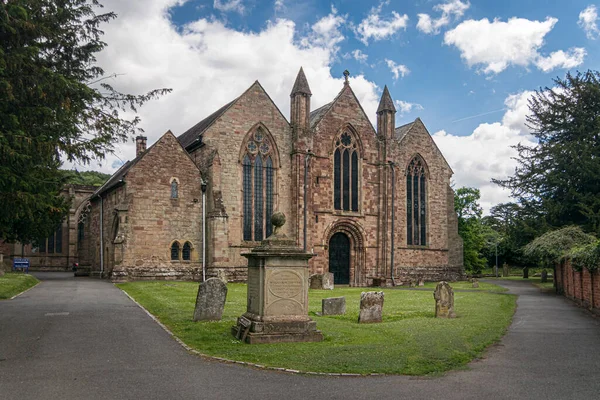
(301, 84)
(386, 103)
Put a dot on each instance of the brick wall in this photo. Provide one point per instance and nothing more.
(581, 286)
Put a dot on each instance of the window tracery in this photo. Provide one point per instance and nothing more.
(346, 175)
(416, 202)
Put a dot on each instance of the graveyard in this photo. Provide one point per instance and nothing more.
(409, 340)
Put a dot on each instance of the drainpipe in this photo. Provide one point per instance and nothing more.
(203, 187)
(392, 165)
(101, 236)
(306, 160)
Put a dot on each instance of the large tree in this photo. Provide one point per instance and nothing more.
(560, 175)
(55, 104)
(470, 228)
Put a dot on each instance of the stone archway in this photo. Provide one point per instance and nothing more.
(353, 239)
(339, 258)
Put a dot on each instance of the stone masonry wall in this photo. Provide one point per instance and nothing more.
(583, 287)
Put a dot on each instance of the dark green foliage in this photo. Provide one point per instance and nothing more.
(54, 106)
(554, 246)
(89, 178)
(470, 228)
(559, 175)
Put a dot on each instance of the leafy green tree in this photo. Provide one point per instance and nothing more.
(90, 178)
(559, 176)
(470, 227)
(55, 105)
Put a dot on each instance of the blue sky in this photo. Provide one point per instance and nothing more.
(466, 68)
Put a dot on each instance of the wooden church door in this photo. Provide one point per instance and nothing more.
(339, 258)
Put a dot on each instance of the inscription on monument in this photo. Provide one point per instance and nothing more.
(285, 284)
(253, 290)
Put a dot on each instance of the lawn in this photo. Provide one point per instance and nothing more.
(536, 281)
(410, 340)
(13, 283)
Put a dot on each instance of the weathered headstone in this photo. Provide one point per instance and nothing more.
(371, 307)
(413, 284)
(322, 281)
(505, 270)
(444, 301)
(526, 273)
(475, 283)
(544, 276)
(421, 282)
(210, 300)
(333, 306)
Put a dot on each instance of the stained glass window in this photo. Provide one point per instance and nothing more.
(174, 189)
(346, 174)
(416, 203)
(186, 251)
(258, 174)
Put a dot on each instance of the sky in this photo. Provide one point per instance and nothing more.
(466, 68)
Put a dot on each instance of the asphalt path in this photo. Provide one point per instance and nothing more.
(84, 339)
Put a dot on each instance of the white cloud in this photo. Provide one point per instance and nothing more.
(229, 5)
(359, 56)
(487, 152)
(404, 107)
(450, 9)
(326, 32)
(279, 5)
(376, 27)
(561, 59)
(207, 64)
(398, 70)
(496, 45)
(588, 19)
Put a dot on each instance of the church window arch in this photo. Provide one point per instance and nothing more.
(258, 185)
(416, 202)
(175, 251)
(186, 251)
(174, 188)
(346, 175)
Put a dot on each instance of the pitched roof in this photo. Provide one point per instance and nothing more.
(316, 115)
(190, 136)
(301, 84)
(401, 131)
(386, 103)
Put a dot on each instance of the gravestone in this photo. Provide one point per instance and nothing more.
(210, 300)
(475, 283)
(371, 307)
(544, 276)
(222, 275)
(505, 270)
(322, 281)
(413, 284)
(277, 299)
(444, 301)
(526, 273)
(421, 282)
(333, 306)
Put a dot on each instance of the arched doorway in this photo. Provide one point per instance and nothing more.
(339, 258)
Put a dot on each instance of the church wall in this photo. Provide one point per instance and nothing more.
(224, 206)
(323, 220)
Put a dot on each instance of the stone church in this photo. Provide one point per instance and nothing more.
(373, 205)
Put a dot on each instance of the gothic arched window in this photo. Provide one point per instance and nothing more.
(186, 251)
(416, 203)
(345, 173)
(175, 251)
(258, 185)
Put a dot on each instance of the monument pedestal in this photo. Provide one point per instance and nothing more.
(277, 305)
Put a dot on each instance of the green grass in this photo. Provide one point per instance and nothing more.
(536, 281)
(410, 340)
(465, 285)
(13, 283)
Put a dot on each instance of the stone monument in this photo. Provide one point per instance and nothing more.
(322, 281)
(210, 301)
(371, 307)
(333, 306)
(277, 302)
(444, 301)
(475, 283)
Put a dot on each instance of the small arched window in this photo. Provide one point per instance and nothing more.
(416, 203)
(175, 251)
(186, 251)
(174, 189)
(345, 173)
(258, 185)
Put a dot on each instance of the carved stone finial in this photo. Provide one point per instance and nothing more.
(346, 75)
(278, 220)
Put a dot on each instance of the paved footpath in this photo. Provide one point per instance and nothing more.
(84, 339)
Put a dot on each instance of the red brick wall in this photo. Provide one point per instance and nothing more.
(581, 286)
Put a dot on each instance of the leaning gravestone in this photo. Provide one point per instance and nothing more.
(371, 307)
(444, 301)
(333, 306)
(505, 270)
(475, 283)
(211, 300)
